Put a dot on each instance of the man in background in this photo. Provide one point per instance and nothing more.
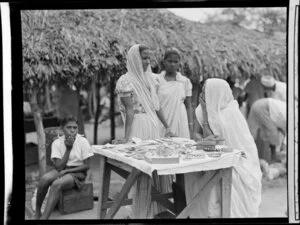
(273, 88)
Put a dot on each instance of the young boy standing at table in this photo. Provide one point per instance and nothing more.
(70, 154)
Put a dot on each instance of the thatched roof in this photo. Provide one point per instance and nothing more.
(86, 40)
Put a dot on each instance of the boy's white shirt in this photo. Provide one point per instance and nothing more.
(81, 150)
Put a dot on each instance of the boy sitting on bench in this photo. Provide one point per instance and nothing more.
(70, 154)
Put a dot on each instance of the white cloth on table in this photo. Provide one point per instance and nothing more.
(184, 166)
(226, 120)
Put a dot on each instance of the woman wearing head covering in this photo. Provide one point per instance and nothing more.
(140, 111)
(218, 114)
(137, 97)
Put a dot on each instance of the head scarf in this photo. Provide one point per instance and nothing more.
(143, 81)
(218, 95)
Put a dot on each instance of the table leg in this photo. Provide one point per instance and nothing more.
(226, 192)
(203, 190)
(124, 191)
(106, 184)
(179, 193)
(101, 185)
(162, 199)
(142, 199)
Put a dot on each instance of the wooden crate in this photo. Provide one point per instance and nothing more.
(73, 200)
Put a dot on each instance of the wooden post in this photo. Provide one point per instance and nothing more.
(48, 104)
(94, 100)
(90, 100)
(226, 192)
(106, 184)
(98, 110)
(101, 185)
(39, 127)
(112, 108)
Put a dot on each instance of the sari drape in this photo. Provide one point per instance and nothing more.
(171, 96)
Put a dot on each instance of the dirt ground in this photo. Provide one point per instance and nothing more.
(274, 193)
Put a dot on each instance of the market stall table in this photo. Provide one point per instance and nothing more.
(130, 168)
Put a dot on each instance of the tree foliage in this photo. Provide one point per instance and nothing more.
(267, 20)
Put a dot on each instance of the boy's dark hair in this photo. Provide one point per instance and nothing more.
(68, 118)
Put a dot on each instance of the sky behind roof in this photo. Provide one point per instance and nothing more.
(195, 14)
(201, 14)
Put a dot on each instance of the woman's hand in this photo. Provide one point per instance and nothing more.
(169, 133)
(212, 137)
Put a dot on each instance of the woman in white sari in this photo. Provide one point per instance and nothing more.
(174, 93)
(141, 114)
(218, 114)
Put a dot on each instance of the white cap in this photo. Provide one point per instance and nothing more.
(267, 81)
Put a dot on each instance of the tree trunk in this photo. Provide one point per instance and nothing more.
(94, 97)
(90, 99)
(48, 104)
(39, 127)
(80, 116)
(112, 109)
(98, 110)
